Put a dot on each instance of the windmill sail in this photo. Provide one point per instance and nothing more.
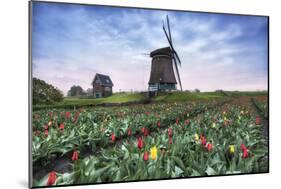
(171, 45)
(178, 75)
(175, 56)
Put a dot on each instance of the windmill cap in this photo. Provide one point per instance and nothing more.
(162, 51)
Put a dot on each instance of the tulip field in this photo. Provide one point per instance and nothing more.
(149, 141)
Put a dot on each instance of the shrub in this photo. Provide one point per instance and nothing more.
(44, 93)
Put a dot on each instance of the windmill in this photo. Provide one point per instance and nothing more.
(162, 76)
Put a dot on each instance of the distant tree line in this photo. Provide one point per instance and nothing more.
(77, 90)
(44, 93)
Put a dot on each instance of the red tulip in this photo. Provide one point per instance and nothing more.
(46, 132)
(170, 140)
(245, 153)
(46, 127)
(75, 155)
(52, 178)
(258, 120)
(203, 140)
(145, 156)
(129, 133)
(186, 122)
(170, 132)
(145, 132)
(244, 150)
(140, 143)
(36, 133)
(243, 147)
(113, 138)
(61, 126)
(158, 124)
(177, 121)
(77, 114)
(67, 115)
(209, 147)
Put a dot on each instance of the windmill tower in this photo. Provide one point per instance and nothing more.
(162, 75)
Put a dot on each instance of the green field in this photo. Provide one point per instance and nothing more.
(120, 98)
(247, 93)
(116, 98)
(187, 96)
(70, 102)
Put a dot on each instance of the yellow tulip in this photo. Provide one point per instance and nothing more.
(153, 153)
(50, 123)
(196, 137)
(231, 149)
(213, 125)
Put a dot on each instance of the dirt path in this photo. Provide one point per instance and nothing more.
(262, 115)
(265, 125)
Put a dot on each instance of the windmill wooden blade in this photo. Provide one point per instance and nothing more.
(171, 45)
(177, 56)
(177, 70)
(169, 41)
(169, 30)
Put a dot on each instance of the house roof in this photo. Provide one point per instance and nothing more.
(162, 51)
(104, 80)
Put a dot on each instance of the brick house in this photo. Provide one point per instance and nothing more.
(102, 86)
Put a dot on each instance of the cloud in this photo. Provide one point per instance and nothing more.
(72, 43)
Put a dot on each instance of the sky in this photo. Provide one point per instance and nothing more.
(71, 43)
